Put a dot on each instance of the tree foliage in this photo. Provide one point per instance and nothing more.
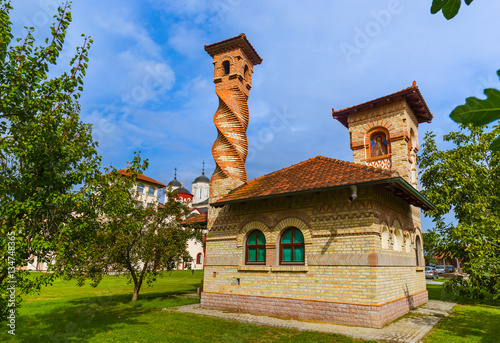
(465, 180)
(449, 8)
(45, 151)
(475, 111)
(128, 236)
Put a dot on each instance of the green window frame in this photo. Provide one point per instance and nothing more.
(255, 252)
(292, 247)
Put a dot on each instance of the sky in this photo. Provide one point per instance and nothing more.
(149, 86)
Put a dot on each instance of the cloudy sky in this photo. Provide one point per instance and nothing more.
(149, 83)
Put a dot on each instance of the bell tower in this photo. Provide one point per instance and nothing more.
(384, 131)
(233, 60)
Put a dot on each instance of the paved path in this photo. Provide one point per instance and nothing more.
(412, 328)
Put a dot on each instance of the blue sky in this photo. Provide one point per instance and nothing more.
(149, 83)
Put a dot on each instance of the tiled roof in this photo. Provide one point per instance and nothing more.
(199, 218)
(321, 173)
(411, 94)
(228, 44)
(142, 177)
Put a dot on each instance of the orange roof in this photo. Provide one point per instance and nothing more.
(142, 177)
(229, 44)
(411, 94)
(322, 173)
(199, 218)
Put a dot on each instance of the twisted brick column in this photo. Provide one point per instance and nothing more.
(230, 149)
(233, 61)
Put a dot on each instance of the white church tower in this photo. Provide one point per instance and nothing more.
(200, 189)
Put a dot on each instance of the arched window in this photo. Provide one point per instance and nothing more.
(256, 248)
(151, 190)
(226, 67)
(385, 238)
(245, 71)
(418, 250)
(292, 247)
(198, 258)
(140, 188)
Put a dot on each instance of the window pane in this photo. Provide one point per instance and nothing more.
(299, 254)
(262, 254)
(287, 237)
(151, 191)
(252, 254)
(262, 238)
(287, 254)
(298, 236)
(253, 238)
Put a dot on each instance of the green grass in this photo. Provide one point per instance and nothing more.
(67, 313)
(471, 320)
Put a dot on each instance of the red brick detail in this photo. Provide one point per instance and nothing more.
(335, 312)
(294, 214)
(256, 217)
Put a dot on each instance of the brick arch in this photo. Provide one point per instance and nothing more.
(292, 221)
(226, 58)
(383, 123)
(256, 222)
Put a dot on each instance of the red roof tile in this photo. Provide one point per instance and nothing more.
(411, 94)
(320, 173)
(142, 177)
(199, 218)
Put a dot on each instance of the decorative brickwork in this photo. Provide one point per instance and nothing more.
(233, 61)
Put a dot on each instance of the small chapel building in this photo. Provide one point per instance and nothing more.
(323, 239)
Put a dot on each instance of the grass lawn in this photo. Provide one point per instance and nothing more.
(471, 320)
(67, 313)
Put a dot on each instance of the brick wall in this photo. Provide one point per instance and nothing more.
(344, 259)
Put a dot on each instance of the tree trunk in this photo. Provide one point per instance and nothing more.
(137, 288)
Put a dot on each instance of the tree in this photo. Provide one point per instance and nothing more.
(45, 153)
(466, 180)
(475, 111)
(430, 243)
(127, 236)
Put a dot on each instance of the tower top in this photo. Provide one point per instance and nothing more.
(239, 41)
(384, 131)
(411, 94)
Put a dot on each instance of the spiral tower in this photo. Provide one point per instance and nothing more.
(233, 61)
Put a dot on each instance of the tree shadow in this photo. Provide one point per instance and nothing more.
(80, 319)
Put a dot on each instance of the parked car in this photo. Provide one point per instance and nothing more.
(449, 269)
(440, 269)
(430, 273)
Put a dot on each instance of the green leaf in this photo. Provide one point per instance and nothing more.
(450, 8)
(495, 145)
(479, 112)
(437, 5)
(468, 2)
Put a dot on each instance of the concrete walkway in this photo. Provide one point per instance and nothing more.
(411, 328)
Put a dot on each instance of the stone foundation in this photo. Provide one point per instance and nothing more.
(367, 315)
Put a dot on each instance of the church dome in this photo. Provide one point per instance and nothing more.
(183, 190)
(202, 178)
(174, 183)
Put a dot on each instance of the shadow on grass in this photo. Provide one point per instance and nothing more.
(80, 319)
(479, 323)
